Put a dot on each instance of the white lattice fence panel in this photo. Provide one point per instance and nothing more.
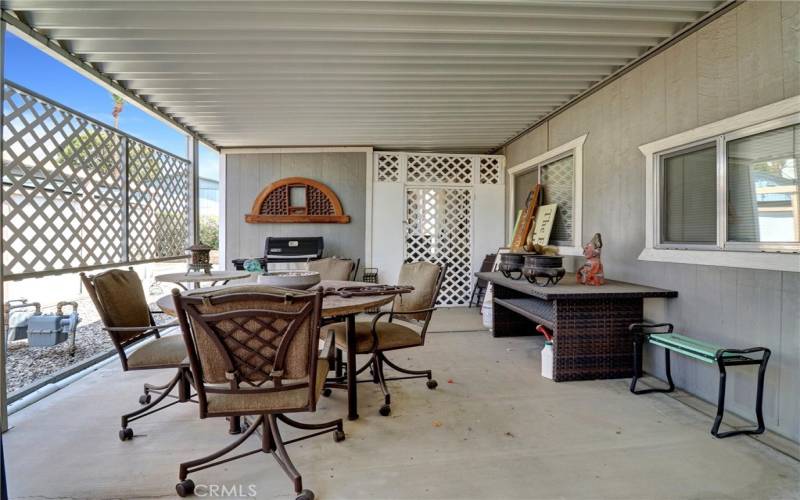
(439, 169)
(64, 187)
(61, 184)
(439, 229)
(158, 190)
(387, 167)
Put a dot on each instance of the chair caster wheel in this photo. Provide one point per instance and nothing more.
(338, 436)
(326, 392)
(144, 399)
(432, 384)
(385, 410)
(305, 495)
(125, 434)
(185, 488)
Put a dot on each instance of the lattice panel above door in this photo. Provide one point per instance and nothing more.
(439, 169)
(490, 170)
(387, 166)
(434, 168)
(439, 229)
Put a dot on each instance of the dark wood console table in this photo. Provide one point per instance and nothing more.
(589, 323)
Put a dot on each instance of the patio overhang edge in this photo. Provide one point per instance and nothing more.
(52, 47)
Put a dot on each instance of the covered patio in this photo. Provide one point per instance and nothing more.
(478, 249)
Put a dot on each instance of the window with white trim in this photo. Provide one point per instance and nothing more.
(559, 172)
(557, 179)
(733, 191)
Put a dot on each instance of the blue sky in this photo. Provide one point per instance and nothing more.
(34, 69)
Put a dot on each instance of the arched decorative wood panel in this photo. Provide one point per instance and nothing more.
(274, 203)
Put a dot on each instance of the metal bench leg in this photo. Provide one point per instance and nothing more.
(720, 401)
(762, 369)
(638, 344)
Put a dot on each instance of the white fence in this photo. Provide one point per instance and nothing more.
(78, 194)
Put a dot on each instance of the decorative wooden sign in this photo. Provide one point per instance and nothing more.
(543, 226)
(525, 223)
(297, 199)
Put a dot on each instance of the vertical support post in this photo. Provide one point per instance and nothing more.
(126, 202)
(193, 145)
(3, 340)
(223, 261)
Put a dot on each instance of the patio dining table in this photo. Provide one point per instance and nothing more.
(196, 278)
(334, 308)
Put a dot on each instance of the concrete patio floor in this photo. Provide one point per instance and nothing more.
(498, 430)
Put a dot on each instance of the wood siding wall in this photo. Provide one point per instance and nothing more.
(745, 59)
(247, 174)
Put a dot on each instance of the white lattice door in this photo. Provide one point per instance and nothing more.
(443, 208)
(439, 229)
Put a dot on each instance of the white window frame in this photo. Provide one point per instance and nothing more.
(774, 256)
(572, 148)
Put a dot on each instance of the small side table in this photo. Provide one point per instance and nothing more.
(195, 278)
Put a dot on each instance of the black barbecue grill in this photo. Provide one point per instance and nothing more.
(278, 249)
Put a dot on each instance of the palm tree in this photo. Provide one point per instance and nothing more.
(118, 103)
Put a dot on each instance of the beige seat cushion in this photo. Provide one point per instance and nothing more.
(164, 352)
(390, 336)
(423, 277)
(267, 402)
(122, 299)
(332, 269)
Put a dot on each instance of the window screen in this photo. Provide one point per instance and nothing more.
(689, 196)
(763, 203)
(558, 182)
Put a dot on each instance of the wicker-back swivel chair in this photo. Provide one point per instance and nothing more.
(253, 350)
(415, 309)
(119, 299)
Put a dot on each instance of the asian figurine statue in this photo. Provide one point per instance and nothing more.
(591, 272)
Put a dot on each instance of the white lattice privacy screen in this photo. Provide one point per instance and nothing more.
(78, 194)
(437, 214)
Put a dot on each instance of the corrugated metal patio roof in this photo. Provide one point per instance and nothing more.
(439, 75)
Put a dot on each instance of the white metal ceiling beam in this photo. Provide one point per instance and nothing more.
(549, 10)
(353, 23)
(406, 63)
(122, 5)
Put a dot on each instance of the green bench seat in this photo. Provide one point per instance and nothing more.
(701, 351)
(693, 348)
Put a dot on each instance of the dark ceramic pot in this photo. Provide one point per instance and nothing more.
(511, 265)
(543, 270)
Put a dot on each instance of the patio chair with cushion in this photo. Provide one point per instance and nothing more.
(335, 269)
(253, 351)
(406, 327)
(119, 298)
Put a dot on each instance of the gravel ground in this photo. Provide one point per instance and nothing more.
(29, 365)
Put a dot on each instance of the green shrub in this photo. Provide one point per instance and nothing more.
(209, 231)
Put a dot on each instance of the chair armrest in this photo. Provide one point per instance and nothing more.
(638, 328)
(123, 329)
(415, 311)
(378, 317)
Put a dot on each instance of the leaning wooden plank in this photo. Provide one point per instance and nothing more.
(527, 220)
